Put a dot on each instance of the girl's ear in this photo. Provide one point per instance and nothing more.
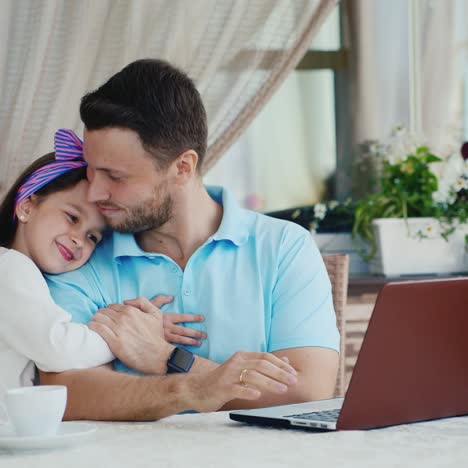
(24, 209)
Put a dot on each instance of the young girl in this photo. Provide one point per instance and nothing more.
(46, 224)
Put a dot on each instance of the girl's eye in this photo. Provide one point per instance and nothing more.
(94, 239)
(72, 218)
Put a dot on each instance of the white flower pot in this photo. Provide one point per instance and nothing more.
(401, 250)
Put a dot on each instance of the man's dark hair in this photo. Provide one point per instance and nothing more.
(157, 101)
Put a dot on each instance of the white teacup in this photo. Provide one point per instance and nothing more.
(36, 411)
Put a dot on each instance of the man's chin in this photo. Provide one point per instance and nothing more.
(130, 226)
(122, 226)
(115, 222)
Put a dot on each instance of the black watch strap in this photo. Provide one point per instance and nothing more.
(180, 361)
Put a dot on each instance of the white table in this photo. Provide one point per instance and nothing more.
(212, 440)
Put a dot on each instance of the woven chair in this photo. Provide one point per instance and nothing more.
(338, 267)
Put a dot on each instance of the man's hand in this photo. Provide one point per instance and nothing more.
(261, 372)
(134, 332)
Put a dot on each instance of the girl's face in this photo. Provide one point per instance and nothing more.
(60, 231)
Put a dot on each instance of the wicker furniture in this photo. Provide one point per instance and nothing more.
(338, 266)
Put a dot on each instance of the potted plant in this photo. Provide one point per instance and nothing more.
(417, 221)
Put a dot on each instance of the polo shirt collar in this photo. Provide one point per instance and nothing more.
(233, 227)
(125, 245)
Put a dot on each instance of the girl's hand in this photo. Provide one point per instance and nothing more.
(176, 333)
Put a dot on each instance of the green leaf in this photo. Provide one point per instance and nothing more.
(430, 158)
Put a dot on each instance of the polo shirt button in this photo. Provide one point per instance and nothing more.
(174, 269)
(187, 292)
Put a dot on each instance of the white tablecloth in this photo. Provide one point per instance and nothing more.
(212, 440)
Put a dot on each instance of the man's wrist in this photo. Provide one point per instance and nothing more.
(162, 356)
(189, 391)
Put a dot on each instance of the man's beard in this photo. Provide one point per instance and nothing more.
(147, 216)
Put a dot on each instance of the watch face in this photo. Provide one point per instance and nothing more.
(181, 358)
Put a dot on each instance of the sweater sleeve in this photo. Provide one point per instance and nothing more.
(36, 327)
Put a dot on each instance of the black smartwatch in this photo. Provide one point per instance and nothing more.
(179, 361)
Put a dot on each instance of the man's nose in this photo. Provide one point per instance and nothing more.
(97, 191)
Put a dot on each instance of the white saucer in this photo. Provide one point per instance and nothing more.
(69, 433)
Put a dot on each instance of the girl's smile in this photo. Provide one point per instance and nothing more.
(67, 254)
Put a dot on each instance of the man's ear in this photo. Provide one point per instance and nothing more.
(186, 165)
(24, 209)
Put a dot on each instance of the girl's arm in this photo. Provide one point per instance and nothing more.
(34, 326)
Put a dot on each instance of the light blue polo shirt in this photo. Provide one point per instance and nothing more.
(260, 282)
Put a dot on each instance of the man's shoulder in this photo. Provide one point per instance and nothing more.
(266, 227)
(278, 240)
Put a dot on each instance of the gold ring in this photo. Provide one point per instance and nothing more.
(241, 377)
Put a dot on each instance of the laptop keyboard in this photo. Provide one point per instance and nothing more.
(329, 416)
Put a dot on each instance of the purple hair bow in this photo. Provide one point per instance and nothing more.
(68, 156)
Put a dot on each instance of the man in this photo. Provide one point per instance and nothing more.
(260, 282)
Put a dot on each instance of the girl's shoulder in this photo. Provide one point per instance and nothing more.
(17, 263)
(20, 277)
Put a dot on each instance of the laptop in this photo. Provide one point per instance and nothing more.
(412, 366)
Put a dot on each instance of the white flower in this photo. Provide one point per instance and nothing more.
(333, 204)
(320, 210)
(461, 184)
(430, 230)
(392, 158)
(440, 196)
(445, 195)
(377, 149)
(296, 214)
(398, 131)
(450, 172)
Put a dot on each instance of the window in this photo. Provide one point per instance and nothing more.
(292, 154)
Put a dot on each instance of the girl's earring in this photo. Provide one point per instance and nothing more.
(22, 218)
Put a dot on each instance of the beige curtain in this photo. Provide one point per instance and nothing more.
(441, 75)
(379, 66)
(382, 58)
(53, 51)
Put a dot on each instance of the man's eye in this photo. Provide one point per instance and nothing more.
(72, 218)
(114, 178)
(94, 239)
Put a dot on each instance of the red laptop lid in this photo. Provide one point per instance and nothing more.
(413, 364)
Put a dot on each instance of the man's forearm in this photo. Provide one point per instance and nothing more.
(93, 395)
(104, 394)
